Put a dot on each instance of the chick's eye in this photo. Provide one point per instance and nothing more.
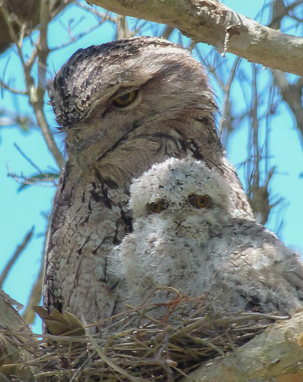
(126, 99)
(156, 207)
(199, 201)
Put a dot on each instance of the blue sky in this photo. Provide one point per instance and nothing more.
(20, 211)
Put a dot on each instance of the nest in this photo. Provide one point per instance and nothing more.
(136, 346)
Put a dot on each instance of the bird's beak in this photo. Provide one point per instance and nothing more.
(181, 216)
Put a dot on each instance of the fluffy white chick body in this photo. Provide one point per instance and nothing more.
(199, 249)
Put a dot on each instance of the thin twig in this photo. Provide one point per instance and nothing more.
(36, 94)
(226, 101)
(15, 256)
(3, 85)
(28, 159)
(109, 361)
(21, 179)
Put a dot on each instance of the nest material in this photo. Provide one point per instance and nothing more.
(135, 346)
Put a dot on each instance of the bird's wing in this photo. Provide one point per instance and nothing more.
(264, 272)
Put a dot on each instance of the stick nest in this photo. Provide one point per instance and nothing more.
(136, 346)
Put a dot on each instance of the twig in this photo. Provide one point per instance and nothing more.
(15, 256)
(28, 159)
(12, 90)
(109, 361)
(227, 89)
(81, 367)
(23, 180)
(80, 35)
(36, 94)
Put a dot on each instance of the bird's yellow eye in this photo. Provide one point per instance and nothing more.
(156, 207)
(126, 99)
(199, 201)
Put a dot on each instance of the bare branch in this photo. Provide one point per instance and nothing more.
(15, 256)
(292, 95)
(259, 194)
(40, 180)
(36, 180)
(51, 144)
(14, 91)
(102, 18)
(226, 102)
(36, 94)
(280, 9)
(24, 15)
(28, 159)
(209, 21)
(122, 30)
(9, 20)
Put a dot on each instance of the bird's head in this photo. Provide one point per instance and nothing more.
(183, 196)
(141, 94)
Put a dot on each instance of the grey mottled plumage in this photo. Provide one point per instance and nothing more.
(124, 106)
(185, 237)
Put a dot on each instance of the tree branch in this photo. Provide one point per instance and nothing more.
(291, 94)
(24, 12)
(212, 22)
(15, 256)
(122, 30)
(276, 354)
(36, 94)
